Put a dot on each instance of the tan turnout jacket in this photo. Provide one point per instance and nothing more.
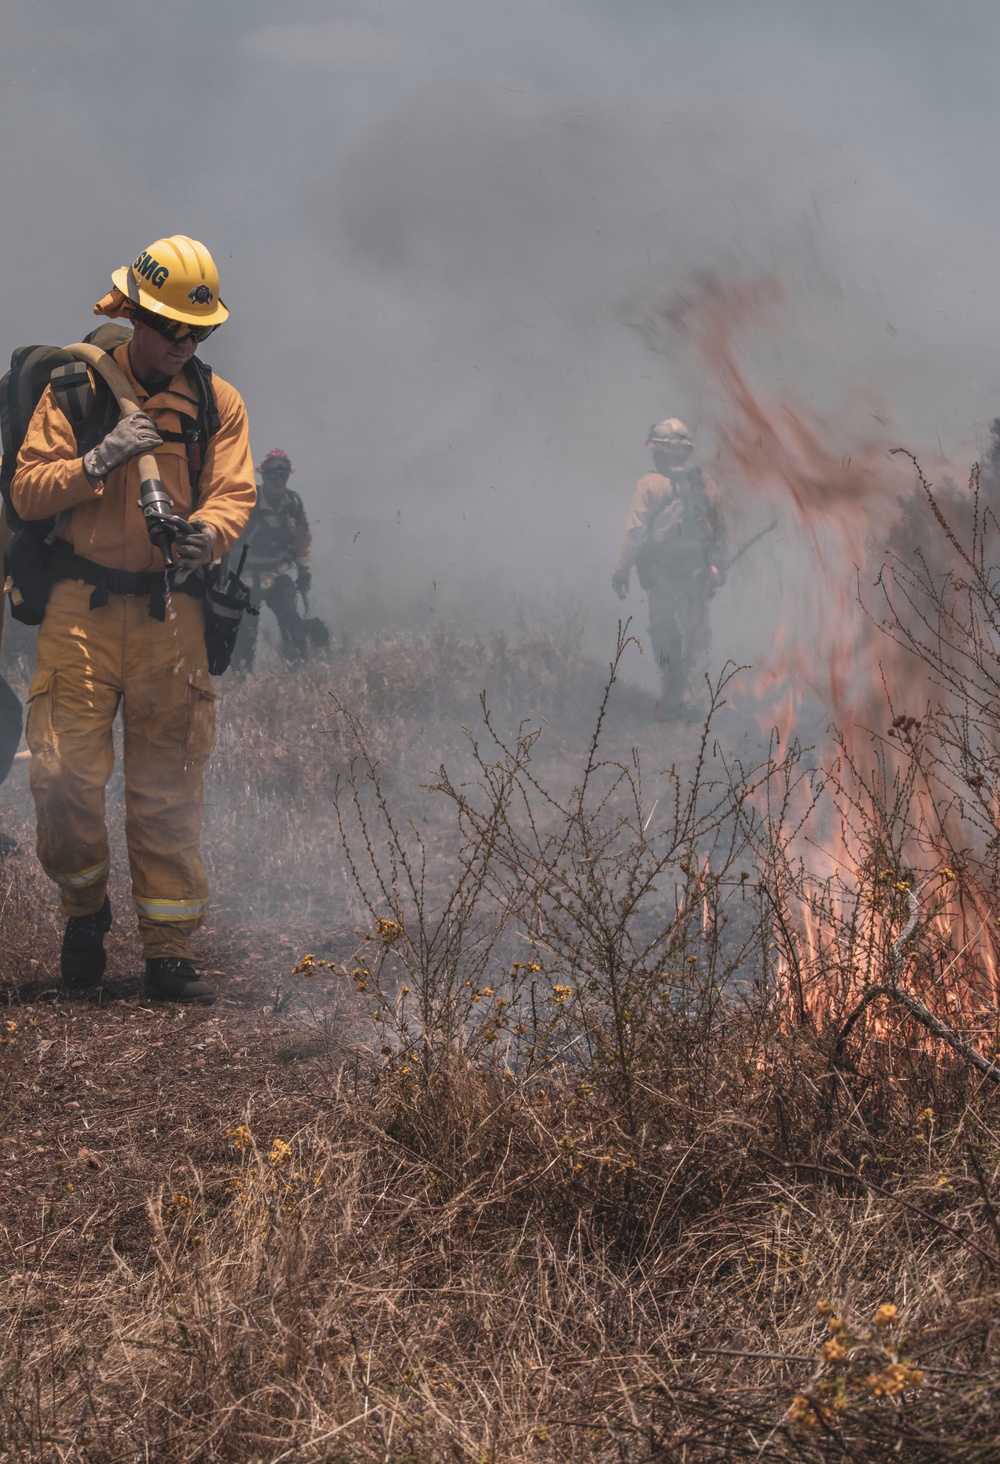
(105, 524)
(673, 523)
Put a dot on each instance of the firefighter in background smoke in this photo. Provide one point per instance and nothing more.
(109, 647)
(279, 541)
(674, 538)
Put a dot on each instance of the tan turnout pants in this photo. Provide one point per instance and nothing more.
(90, 662)
(680, 632)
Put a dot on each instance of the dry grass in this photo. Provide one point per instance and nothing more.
(247, 1234)
(486, 1272)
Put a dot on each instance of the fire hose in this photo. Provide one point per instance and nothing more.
(226, 599)
(157, 508)
(153, 499)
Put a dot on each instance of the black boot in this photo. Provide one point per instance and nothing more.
(83, 960)
(318, 634)
(171, 978)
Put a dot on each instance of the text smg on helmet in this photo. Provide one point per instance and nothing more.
(151, 270)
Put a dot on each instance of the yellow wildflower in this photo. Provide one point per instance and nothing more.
(279, 1151)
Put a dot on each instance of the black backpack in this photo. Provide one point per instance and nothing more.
(91, 408)
(10, 727)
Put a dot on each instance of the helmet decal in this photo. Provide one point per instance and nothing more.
(152, 270)
(201, 295)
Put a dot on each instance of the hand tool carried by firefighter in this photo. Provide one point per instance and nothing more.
(749, 544)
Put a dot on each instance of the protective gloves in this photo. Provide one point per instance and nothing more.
(194, 546)
(134, 434)
(619, 582)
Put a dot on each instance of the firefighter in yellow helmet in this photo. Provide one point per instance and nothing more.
(675, 539)
(110, 639)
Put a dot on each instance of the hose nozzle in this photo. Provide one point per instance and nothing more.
(157, 510)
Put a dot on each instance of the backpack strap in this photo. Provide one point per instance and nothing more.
(88, 404)
(207, 423)
(74, 390)
(200, 375)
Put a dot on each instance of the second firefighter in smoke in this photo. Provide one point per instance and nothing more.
(675, 540)
(279, 541)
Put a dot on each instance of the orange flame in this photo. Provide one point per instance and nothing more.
(884, 829)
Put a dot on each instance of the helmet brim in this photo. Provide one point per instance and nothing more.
(120, 278)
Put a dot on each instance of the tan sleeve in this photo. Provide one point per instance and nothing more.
(50, 477)
(227, 490)
(651, 494)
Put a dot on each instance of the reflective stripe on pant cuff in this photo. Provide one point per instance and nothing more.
(167, 911)
(84, 878)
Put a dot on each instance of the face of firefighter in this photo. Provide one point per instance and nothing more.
(152, 356)
(275, 480)
(669, 455)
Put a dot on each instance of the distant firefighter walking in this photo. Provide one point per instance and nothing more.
(278, 541)
(675, 540)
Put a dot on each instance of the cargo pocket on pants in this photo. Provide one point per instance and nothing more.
(40, 731)
(201, 699)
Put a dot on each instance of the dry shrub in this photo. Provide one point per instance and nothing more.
(669, 1218)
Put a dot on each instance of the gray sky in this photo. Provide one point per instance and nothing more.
(437, 220)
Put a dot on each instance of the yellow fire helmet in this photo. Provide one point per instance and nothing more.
(176, 277)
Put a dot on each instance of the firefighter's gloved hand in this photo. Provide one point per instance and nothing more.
(194, 546)
(134, 434)
(619, 582)
(303, 581)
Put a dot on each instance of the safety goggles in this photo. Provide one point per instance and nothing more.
(173, 330)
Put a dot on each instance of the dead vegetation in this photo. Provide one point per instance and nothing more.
(536, 1155)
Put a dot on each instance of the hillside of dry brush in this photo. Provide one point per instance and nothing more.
(507, 1139)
